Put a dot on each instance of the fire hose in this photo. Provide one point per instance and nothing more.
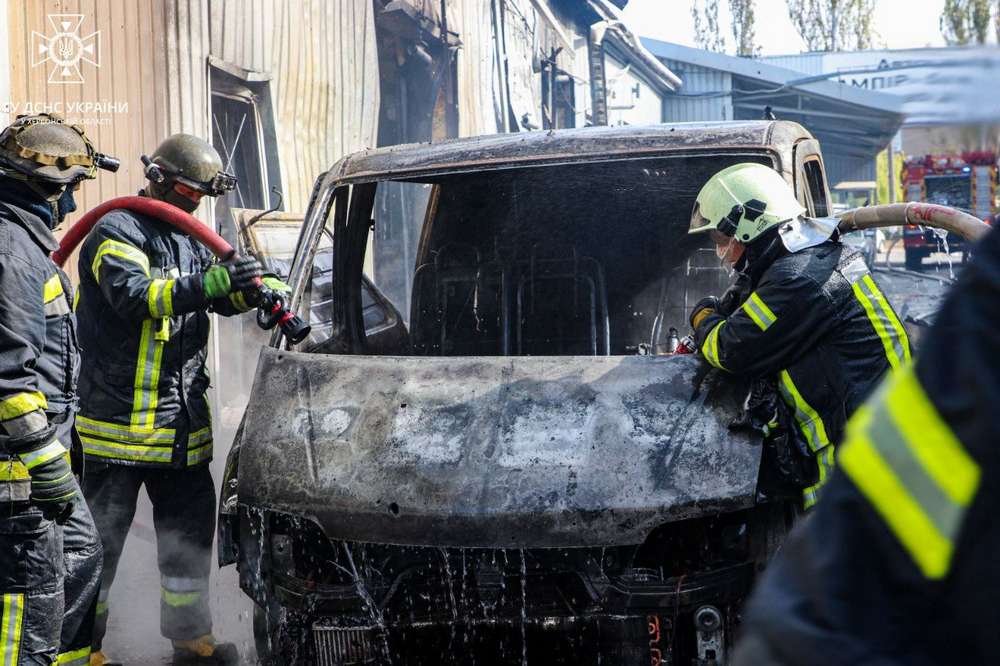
(967, 226)
(271, 308)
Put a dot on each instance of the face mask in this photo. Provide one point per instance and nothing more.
(66, 203)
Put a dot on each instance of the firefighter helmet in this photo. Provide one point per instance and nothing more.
(190, 161)
(743, 201)
(43, 149)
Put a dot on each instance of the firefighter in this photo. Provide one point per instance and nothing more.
(805, 315)
(897, 564)
(145, 292)
(50, 553)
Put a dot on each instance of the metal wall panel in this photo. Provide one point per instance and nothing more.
(323, 64)
(807, 63)
(150, 82)
(687, 106)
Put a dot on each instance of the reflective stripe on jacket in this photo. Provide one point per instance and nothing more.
(39, 354)
(144, 331)
(897, 564)
(817, 322)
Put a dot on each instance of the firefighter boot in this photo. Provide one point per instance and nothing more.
(100, 659)
(204, 650)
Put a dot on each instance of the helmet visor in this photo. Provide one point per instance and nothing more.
(699, 223)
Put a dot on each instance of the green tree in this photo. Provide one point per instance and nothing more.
(833, 25)
(966, 21)
(742, 13)
(706, 25)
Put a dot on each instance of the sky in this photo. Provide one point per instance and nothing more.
(899, 24)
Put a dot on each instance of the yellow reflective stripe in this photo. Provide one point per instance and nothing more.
(76, 299)
(824, 462)
(933, 443)
(200, 436)
(102, 607)
(50, 451)
(20, 404)
(11, 623)
(52, 290)
(239, 302)
(79, 657)
(887, 325)
(757, 310)
(180, 599)
(710, 348)
(120, 250)
(126, 433)
(13, 469)
(808, 418)
(913, 471)
(137, 453)
(160, 298)
(200, 454)
(145, 395)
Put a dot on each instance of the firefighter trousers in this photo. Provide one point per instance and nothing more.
(49, 578)
(184, 521)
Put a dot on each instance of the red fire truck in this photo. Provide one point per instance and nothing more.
(967, 181)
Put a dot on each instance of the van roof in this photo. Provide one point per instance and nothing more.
(564, 146)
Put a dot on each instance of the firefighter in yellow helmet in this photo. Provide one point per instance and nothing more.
(897, 564)
(806, 317)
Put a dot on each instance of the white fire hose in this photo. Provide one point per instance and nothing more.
(967, 226)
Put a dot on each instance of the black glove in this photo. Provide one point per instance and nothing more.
(53, 486)
(244, 273)
(703, 308)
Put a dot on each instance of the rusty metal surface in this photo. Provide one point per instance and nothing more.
(570, 145)
(494, 452)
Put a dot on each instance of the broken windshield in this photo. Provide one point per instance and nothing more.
(581, 259)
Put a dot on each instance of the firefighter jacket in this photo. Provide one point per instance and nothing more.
(816, 322)
(898, 563)
(39, 355)
(144, 332)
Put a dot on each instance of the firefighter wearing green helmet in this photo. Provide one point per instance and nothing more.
(146, 289)
(805, 319)
(50, 552)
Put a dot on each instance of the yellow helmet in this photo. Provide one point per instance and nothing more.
(743, 201)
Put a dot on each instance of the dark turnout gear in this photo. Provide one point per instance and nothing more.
(144, 329)
(816, 323)
(184, 518)
(49, 571)
(898, 563)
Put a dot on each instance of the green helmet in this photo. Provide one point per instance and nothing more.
(43, 149)
(186, 159)
(743, 201)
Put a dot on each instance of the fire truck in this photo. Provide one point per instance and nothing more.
(967, 181)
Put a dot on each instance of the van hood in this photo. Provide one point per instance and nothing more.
(493, 452)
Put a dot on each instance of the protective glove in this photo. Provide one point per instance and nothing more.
(237, 274)
(53, 486)
(703, 308)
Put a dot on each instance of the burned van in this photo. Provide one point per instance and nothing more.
(484, 450)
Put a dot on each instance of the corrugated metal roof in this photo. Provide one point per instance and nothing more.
(779, 76)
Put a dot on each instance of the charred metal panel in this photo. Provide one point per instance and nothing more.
(570, 145)
(494, 452)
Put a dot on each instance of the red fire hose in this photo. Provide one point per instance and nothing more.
(271, 311)
(161, 210)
